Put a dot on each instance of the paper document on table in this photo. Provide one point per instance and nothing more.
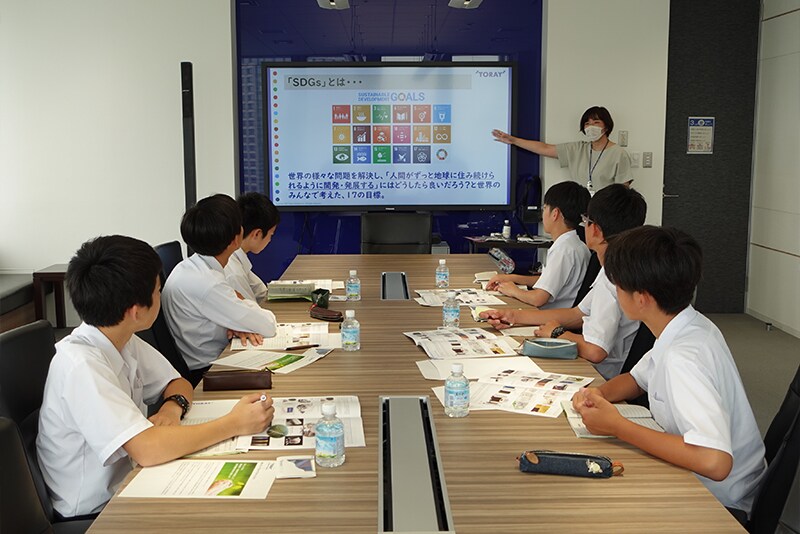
(292, 335)
(330, 285)
(522, 331)
(448, 343)
(638, 414)
(523, 287)
(475, 368)
(485, 276)
(438, 391)
(205, 411)
(294, 424)
(204, 479)
(467, 297)
(296, 467)
(277, 362)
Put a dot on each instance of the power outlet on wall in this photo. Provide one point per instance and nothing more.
(623, 138)
(647, 160)
(636, 159)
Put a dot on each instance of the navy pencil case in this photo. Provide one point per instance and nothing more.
(568, 463)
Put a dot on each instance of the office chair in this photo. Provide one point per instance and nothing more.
(396, 233)
(171, 255)
(782, 443)
(642, 343)
(592, 269)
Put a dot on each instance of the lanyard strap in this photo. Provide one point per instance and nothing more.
(592, 167)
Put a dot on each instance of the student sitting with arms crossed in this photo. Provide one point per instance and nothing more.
(558, 285)
(689, 375)
(202, 309)
(93, 420)
(260, 218)
(607, 333)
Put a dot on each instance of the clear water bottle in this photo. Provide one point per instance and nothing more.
(506, 229)
(329, 438)
(442, 275)
(353, 286)
(451, 311)
(456, 392)
(351, 332)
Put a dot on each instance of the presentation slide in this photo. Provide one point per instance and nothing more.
(388, 136)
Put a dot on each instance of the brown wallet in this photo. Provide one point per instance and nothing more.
(237, 379)
(325, 314)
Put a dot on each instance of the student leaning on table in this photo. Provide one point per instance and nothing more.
(102, 378)
(202, 309)
(567, 258)
(607, 333)
(690, 378)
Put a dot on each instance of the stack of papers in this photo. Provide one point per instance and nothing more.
(448, 343)
(466, 297)
(293, 289)
(475, 368)
(277, 362)
(291, 335)
(638, 414)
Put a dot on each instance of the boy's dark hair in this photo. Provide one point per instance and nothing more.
(571, 198)
(664, 262)
(209, 226)
(599, 113)
(258, 212)
(108, 275)
(617, 208)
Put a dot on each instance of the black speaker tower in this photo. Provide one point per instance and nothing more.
(189, 167)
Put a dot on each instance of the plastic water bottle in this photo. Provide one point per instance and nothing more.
(456, 392)
(451, 310)
(329, 437)
(506, 230)
(353, 286)
(351, 332)
(442, 275)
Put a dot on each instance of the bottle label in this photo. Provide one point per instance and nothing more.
(350, 336)
(353, 290)
(330, 446)
(456, 397)
(451, 316)
(442, 279)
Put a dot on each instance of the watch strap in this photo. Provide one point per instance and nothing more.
(557, 331)
(181, 401)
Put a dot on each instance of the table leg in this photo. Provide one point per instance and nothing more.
(61, 312)
(38, 298)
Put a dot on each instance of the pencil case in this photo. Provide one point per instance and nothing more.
(558, 349)
(568, 463)
(237, 379)
(325, 314)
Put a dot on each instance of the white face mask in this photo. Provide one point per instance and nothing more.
(593, 133)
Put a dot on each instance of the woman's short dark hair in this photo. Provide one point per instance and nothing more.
(108, 275)
(664, 262)
(616, 208)
(209, 226)
(571, 198)
(258, 212)
(599, 113)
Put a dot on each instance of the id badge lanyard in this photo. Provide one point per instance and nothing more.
(590, 186)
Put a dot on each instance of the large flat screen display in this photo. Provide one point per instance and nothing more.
(388, 136)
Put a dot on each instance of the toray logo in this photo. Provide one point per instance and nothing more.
(407, 97)
(490, 73)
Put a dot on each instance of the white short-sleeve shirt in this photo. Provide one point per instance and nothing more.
(239, 272)
(695, 391)
(612, 165)
(95, 400)
(200, 306)
(606, 326)
(567, 259)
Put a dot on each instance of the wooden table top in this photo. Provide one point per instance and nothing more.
(487, 491)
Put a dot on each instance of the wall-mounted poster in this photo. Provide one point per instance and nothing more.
(700, 139)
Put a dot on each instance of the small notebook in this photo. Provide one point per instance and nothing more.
(638, 414)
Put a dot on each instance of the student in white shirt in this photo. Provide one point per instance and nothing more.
(607, 334)
(260, 219)
(202, 309)
(690, 378)
(567, 258)
(93, 423)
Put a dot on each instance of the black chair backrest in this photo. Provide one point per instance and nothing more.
(171, 255)
(20, 507)
(588, 278)
(396, 233)
(642, 343)
(783, 458)
(160, 338)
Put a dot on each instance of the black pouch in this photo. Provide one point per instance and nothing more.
(568, 463)
(320, 297)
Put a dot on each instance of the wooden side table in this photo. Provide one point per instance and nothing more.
(51, 275)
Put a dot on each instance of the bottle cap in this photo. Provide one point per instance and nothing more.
(353, 272)
(451, 294)
(457, 369)
(442, 262)
(349, 313)
(328, 408)
(505, 221)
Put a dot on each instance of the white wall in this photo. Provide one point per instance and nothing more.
(90, 120)
(774, 263)
(614, 54)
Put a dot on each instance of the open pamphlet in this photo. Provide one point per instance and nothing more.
(475, 368)
(466, 297)
(484, 276)
(299, 289)
(448, 343)
(203, 411)
(291, 336)
(278, 362)
(638, 414)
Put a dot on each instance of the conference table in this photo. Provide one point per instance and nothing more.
(487, 492)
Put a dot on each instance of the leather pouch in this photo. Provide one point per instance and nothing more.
(320, 297)
(237, 379)
(559, 349)
(568, 463)
(326, 314)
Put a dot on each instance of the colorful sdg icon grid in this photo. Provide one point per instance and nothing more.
(390, 133)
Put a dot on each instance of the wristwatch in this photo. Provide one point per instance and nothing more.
(557, 331)
(181, 401)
